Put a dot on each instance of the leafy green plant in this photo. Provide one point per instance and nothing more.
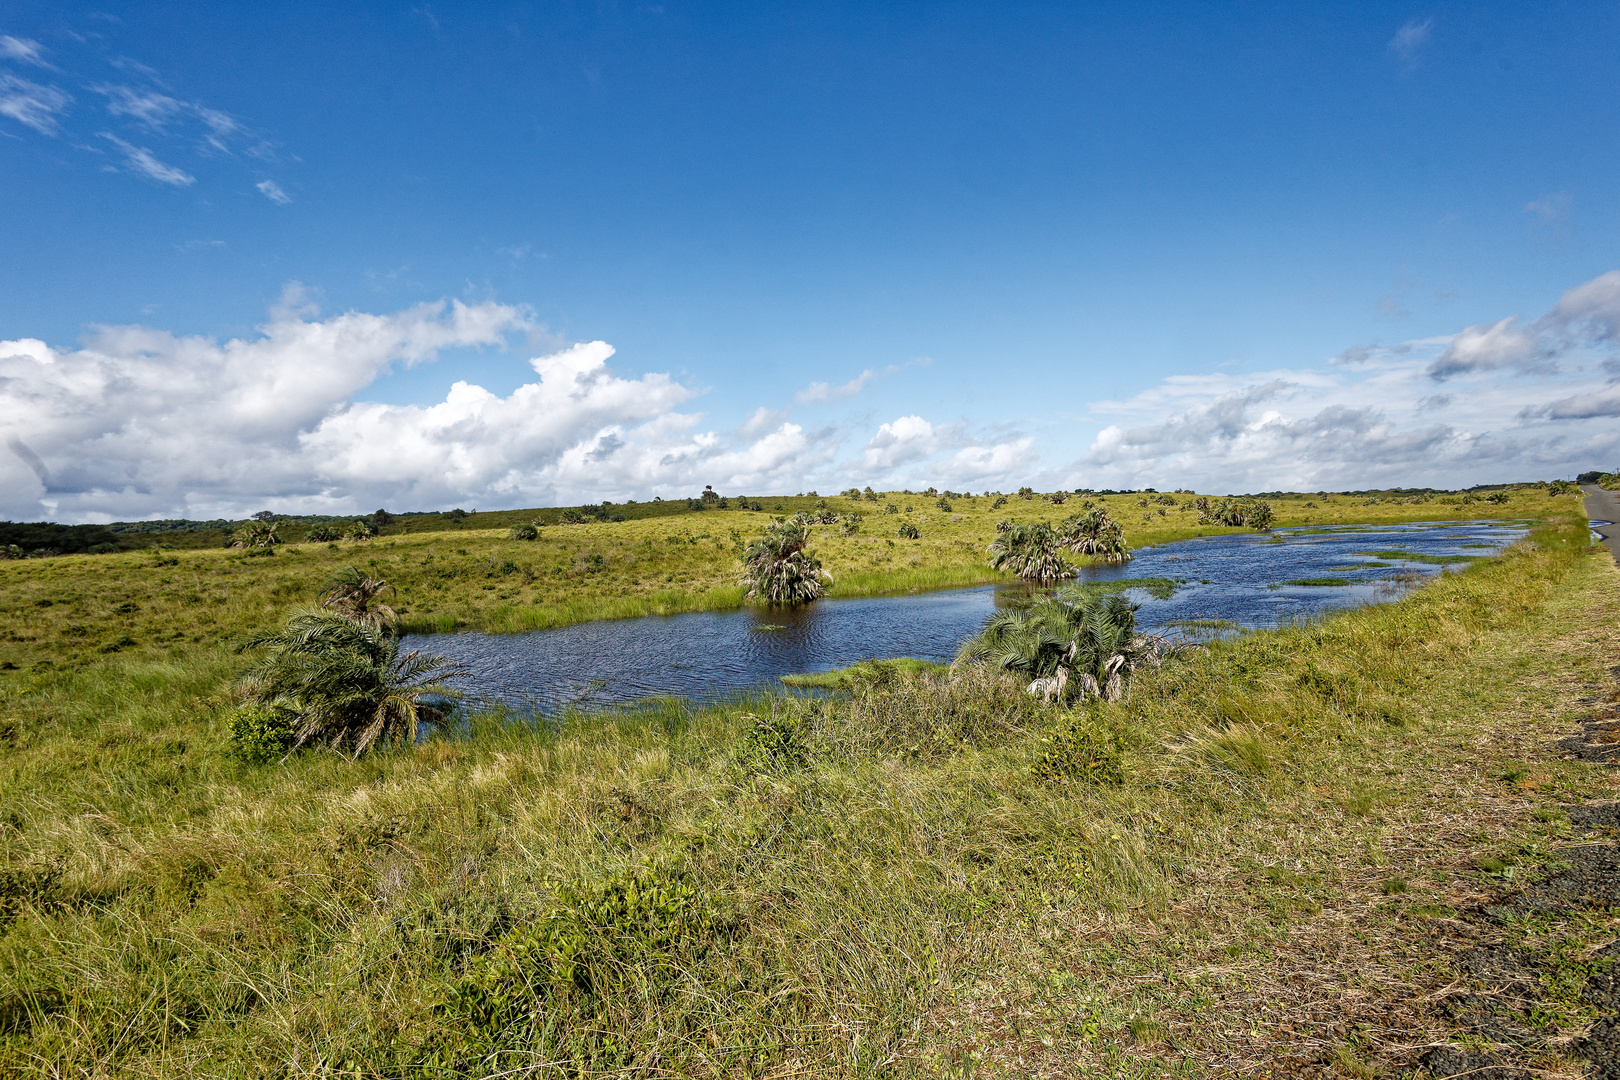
(774, 743)
(260, 733)
(851, 523)
(566, 978)
(908, 531)
(345, 682)
(324, 533)
(1083, 749)
(531, 531)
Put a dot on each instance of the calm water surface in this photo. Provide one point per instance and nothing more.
(1223, 584)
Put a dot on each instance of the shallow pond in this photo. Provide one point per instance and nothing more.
(1208, 586)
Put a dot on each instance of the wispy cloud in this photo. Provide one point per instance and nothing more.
(143, 161)
(1410, 39)
(22, 51)
(32, 105)
(818, 393)
(272, 191)
(153, 125)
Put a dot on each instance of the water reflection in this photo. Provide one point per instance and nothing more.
(1220, 585)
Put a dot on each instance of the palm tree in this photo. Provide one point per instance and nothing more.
(1029, 551)
(345, 682)
(255, 534)
(1093, 532)
(1078, 643)
(350, 593)
(778, 569)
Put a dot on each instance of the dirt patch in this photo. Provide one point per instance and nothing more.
(1503, 995)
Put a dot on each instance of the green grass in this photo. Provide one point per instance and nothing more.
(1320, 582)
(852, 885)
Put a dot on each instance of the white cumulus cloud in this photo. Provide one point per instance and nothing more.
(139, 422)
(1539, 402)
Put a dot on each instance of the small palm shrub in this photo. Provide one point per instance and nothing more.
(778, 569)
(1244, 513)
(360, 529)
(1001, 500)
(255, 534)
(352, 592)
(1079, 643)
(324, 533)
(1029, 551)
(851, 523)
(1093, 532)
(909, 531)
(344, 682)
(530, 531)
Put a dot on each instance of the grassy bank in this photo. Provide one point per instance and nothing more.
(918, 877)
(161, 605)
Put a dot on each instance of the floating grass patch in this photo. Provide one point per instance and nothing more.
(1204, 624)
(1320, 582)
(864, 673)
(1160, 588)
(1420, 557)
(1371, 565)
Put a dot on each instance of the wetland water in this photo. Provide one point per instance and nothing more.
(1222, 584)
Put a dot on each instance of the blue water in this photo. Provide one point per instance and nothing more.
(1234, 582)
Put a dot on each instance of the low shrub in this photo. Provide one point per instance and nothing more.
(260, 734)
(582, 980)
(1083, 749)
(774, 743)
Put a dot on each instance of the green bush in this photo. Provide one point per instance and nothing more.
(774, 743)
(1083, 750)
(525, 532)
(909, 531)
(260, 734)
(572, 981)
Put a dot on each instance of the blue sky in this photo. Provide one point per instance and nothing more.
(974, 245)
